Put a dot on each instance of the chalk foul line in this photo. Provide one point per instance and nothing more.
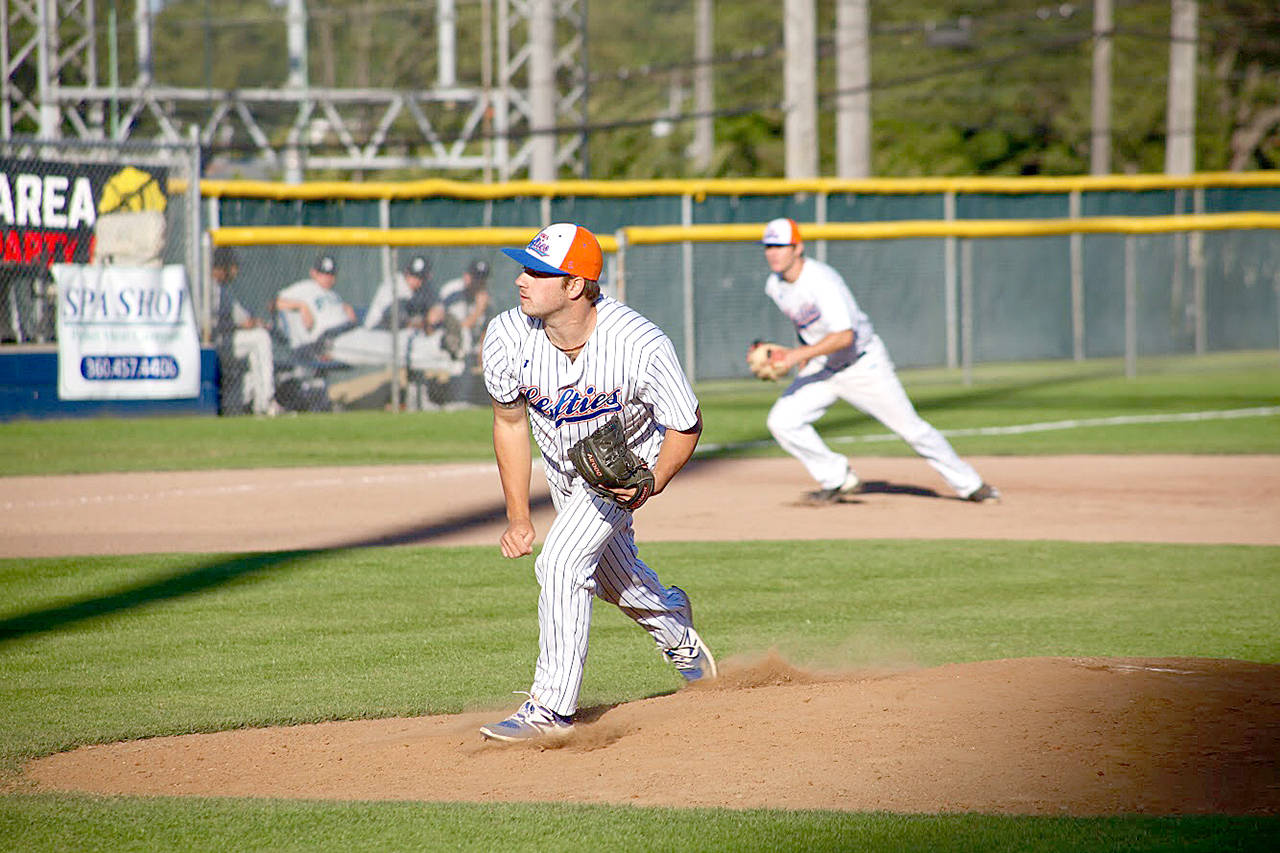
(1044, 426)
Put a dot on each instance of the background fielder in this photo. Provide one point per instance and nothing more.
(841, 357)
(565, 362)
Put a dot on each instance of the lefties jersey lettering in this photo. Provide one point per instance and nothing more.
(819, 302)
(627, 367)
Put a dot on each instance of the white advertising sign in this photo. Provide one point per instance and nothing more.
(125, 333)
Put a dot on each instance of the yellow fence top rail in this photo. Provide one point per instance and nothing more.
(398, 237)
(642, 235)
(700, 188)
(655, 234)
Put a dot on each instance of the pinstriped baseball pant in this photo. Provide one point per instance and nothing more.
(589, 551)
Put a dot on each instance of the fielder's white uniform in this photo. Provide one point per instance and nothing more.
(359, 345)
(629, 368)
(819, 302)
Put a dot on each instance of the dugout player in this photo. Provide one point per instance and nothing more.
(240, 336)
(564, 362)
(316, 318)
(841, 357)
(411, 292)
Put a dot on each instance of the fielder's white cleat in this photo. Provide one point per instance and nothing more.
(851, 486)
(984, 494)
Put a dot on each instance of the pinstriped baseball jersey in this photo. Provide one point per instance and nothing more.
(628, 366)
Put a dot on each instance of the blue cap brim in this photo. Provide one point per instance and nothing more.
(526, 259)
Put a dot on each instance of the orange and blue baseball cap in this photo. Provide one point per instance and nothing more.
(781, 232)
(562, 249)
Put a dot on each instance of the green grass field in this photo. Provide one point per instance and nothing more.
(734, 412)
(108, 648)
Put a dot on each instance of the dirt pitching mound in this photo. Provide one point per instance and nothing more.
(1081, 736)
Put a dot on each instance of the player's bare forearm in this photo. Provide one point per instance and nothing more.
(677, 450)
(833, 342)
(296, 305)
(515, 462)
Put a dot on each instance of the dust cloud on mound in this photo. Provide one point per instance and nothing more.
(1084, 736)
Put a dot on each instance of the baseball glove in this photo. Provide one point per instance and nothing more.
(605, 462)
(763, 359)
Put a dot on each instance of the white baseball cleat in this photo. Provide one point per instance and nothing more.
(984, 494)
(530, 721)
(851, 486)
(692, 659)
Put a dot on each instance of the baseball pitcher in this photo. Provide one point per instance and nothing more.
(614, 419)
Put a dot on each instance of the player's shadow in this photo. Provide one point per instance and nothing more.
(869, 487)
(884, 487)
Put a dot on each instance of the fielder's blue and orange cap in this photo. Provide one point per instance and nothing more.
(781, 232)
(562, 249)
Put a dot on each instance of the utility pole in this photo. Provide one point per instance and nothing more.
(853, 89)
(542, 90)
(703, 93)
(142, 42)
(1100, 136)
(1180, 132)
(297, 79)
(446, 48)
(800, 90)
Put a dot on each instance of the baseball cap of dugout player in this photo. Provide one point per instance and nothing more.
(781, 232)
(561, 249)
(326, 264)
(225, 257)
(479, 269)
(418, 266)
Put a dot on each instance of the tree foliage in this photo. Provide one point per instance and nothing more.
(959, 87)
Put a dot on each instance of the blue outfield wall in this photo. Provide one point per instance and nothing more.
(29, 389)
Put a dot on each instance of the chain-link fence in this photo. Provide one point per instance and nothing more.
(1086, 288)
(346, 327)
(374, 335)
(961, 300)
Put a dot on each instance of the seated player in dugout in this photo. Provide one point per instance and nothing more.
(241, 338)
(466, 300)
(410, 292)
(319, 319)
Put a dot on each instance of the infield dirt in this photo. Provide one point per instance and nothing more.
(1033, 736)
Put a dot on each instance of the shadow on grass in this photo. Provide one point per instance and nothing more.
(221, 572)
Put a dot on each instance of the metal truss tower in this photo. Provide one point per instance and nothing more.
(528, 120)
